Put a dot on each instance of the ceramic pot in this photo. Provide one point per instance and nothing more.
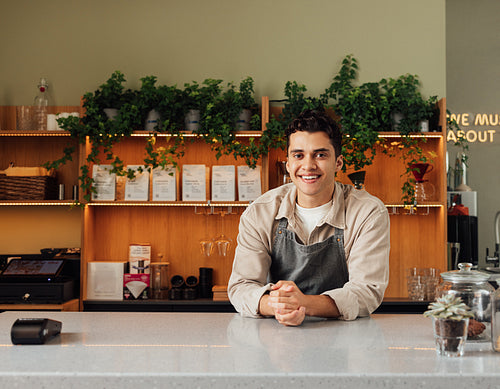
(192, 120)
(243, 122)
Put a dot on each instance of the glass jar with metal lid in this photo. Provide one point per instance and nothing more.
(495, 319)
(476, 292)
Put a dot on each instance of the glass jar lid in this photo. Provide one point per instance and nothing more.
(465, 274)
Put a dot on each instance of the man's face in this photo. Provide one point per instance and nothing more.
(312, 165)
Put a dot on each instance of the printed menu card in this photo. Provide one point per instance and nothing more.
(223, 183)
(104, 183)
(249, 183)
(164, 184)
(194, 183)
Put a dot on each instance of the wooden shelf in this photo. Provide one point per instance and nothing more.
(43, 203)
(190, 134)
(17, 133)
(71, 305)
(168, 204)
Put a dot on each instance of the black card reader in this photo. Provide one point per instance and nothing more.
(34, 331)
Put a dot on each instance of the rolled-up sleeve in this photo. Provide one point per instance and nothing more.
(248, 281)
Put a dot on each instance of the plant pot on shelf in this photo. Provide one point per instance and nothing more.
(111, 113)
(152, 121)
(192, 120)
(243, 122)
(424, 125)
(358, 179)
(396, 120)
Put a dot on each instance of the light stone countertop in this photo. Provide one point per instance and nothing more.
(191, 350)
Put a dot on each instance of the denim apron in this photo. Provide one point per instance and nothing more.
(315, 268)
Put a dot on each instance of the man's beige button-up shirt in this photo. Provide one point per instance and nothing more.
(365, 222)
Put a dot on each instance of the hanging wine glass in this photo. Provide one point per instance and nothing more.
(206, 246)
(223, 242)
(206, 243)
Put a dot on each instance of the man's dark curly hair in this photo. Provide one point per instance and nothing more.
(315, 121)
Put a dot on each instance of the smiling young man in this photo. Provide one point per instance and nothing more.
(314, 247)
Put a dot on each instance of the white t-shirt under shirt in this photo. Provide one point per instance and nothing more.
(310, 217)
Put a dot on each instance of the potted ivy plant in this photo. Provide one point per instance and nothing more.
(407, 105)
(148, 100)
(247, 103)
(363, 112)
(196, 97)
(111, 96)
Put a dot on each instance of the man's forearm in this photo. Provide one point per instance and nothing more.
(321, 306)
(316, 305)
(264, 308)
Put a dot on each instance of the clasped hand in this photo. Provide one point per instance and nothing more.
(288, 303)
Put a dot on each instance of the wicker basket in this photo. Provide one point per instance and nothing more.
(28, 188)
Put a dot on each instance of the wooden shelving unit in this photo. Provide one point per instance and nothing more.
(174, 229)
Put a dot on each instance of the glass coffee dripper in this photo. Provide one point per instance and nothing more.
(424, 190)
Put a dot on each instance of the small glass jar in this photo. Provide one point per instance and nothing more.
(495, 319)
(477, 293)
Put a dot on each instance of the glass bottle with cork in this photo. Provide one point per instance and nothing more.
(41, 104)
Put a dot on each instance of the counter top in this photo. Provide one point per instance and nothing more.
(189, 350)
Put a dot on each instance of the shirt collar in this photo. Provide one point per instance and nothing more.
(335, 216)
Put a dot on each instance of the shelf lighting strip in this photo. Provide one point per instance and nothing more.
(31, 203)
(32, 133)
(256, 134)
(163, 204)
(411, 136)
(418, 206)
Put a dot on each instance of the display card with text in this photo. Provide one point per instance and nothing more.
(223, 183)
(194, 183)
(249, 183)
(137, 188)
(164, 184)
(104, 183)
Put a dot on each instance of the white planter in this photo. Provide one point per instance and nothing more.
(424, 125)
(192, 120)
(111, 113)
(152, 121)
(243, 122)
(396, 118)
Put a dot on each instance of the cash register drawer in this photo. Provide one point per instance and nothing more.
(55, 292)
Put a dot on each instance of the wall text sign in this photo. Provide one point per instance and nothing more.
(473, 134)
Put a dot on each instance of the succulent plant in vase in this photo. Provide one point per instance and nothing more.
(450, 319)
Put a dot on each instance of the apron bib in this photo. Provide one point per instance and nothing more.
(315, 268)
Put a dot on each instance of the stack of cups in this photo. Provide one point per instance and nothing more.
(422, 283)
(205, 282)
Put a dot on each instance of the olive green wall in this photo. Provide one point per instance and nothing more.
(78, 44)
(473, 86)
